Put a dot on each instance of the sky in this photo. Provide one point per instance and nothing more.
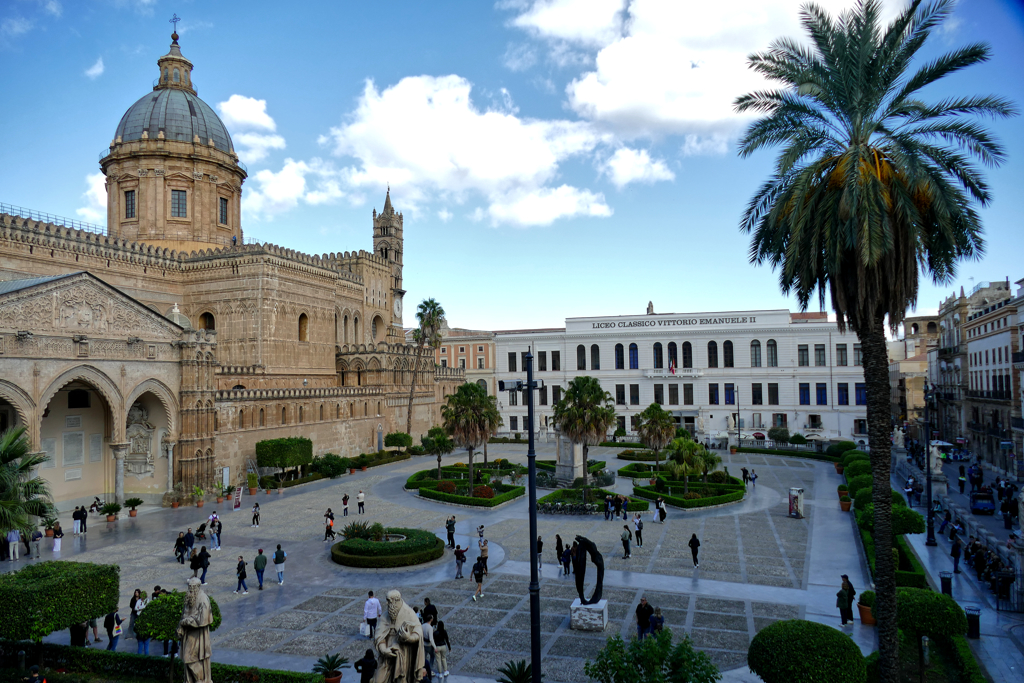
(552, 158)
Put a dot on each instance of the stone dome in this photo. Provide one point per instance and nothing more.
(181, 116)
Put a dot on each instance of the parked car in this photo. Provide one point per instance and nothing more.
(983, 503)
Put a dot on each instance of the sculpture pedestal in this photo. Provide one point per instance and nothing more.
(588, 617)
(569, 465)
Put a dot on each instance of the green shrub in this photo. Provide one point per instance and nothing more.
(110, 509)
(927, 613)
(503, 494)
(51, 596)
(483, 492)
(651, 660)
(252, 479)
(837, 449)
(863, 498)
(682, 501)
(354, 530)
(133, 503)
(797, 651)
(904, 520)
(857, 468)
(330, 465)
(851, 456)
(867, 598)
(842, 488)
(446, 486)
(340, 555)
(621, 444)
(416, 450)
(292, 451)
(682, 433)
(844, 499)
(315, 476)
(858, 483)
(160, 618)
(962, 655)
(779, 434)
(798, 440)
(415, 540)
(398, 439)
(638, 455)
(718, 477)
(809, 455)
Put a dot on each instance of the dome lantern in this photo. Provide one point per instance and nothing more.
(175, 70)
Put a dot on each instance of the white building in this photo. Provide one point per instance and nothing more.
(762, 368)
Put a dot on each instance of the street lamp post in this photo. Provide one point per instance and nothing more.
(930, 515)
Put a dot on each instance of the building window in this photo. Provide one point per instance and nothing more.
(595, 357)
(513, 423)
(843, 394)
(730, 394)
(841, 354)
(444, 362)
(223, 213)
(620, 422)
(858, 357)
(814, 421)
(659, 356)
(620, 394)
(581, 357)
(262, 419)
(773, 394)
(802, 356)
(659, 394)
(511, 361)
(556, 361)
(479, 349)
(284, 416)
(77, 399)
(805, 394)
(634, 394)
(673, 394)
(713, 394)
(634, 357)
(303, 328)
(462, 363)
(755, 354)
(513, 398)
(860, 426)
(755, 421)
(779, 419)
(543, 393)
(821, 393)
(556, 394)
(462, 349)
(620, 358)
(862, 393)
(179, 204)
(773, 354)
(207, 322)
(634, 422)
(756, 397)
(727, 359)
(129, 204)
(479, 363)
(712, 354)
(688, 394)
(542, 361)
(819, 355)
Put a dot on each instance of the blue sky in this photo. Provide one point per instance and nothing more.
(552, 158)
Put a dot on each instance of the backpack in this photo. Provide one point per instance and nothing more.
(639, 525)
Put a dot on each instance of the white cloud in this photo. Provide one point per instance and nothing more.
(519, 57)
(253, 147)
(445, 215)
(425, 135)
(592, 22)
(95, 209)
(96, 70)
(252, 128)
(53, 7)
(271, 193)
(186, 26)
(632, 165)
(14, 27)
(700, 145)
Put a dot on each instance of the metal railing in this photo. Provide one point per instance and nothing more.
(996, 395)
(51, 218)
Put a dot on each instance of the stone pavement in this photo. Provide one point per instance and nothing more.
(993, 524)
(757, 566)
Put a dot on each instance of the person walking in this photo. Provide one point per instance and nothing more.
(194, 563)
(851, 593)
(366, 667)
(961, 480)
(478, 572)
(616, 507)
(112, 623)
(484, 552)
(559, 549)
(372, 612)
(136, 596)
(694, 546)
(204, 563)
(83, 518)
(480, 531)
(449, 527)
(241, 575)
(753, 478)
(626, 536)
(255, 514)
(37, 538)
(429, 609)
(259, 563)
(76, 521)
(190, 541)
(643, 615)
(428, 641)
(638, 530)
(58, 534)
(279, 558)
(442, 647)
(142, 643)
(220, 533)
(329, 525)
(14, 539)
(945, 522)
(179, 548)
(657, 621)
(746, 475)
(360, 501)
(540, 554)
(955, 553)
(842, 602)
(344, 505)
(566, 559)
(460, 559)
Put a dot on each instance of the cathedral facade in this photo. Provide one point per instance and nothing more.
(157, 355)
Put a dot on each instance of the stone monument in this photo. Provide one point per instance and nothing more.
(194, 634)
(897, 437)
(569, 465)
(588, 614)
(399, 643)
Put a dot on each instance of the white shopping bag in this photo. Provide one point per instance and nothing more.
(364, 629)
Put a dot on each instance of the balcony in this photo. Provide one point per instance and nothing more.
(663, 373)
(949, 351)
(1017, 423)
(1018, 360)
(993, 395)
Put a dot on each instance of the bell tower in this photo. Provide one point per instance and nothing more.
(388, 243)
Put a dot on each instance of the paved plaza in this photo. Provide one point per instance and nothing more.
(757, 565)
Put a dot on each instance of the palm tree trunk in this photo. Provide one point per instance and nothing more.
(586, 463)
(472, 483)
(412, 386)
(876, 379)
(439, 467)
(485, 452)
(657, 461)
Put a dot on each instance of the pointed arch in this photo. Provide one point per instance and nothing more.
(99, 381)
(165, 396)
(23, 404)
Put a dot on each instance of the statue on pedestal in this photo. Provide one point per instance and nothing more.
(936, 458)
(194, 634)
(897, 437)
(399, 643)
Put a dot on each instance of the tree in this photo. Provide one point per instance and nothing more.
(23, 495)
(657, 428)
(585, 414)
(651, 660)
(707, 461)
(160, 619)
(873, 186)
(685, 452)
(471, 417)
(436, 442)
(430, 321)
(924, 612)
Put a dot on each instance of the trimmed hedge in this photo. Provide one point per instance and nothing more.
(331, 465)
(399, 439)
(927, 613)
(52, 596)
(123, 666)
(161, 617)
(650, 493)
(856, 468)
(837, 450)
(379, 458)
(639, 455)
(597, 498)
(291, 451)
(912, 578)
(810, 455)
(962, 655)
(621, 444)
(798, 651)
(504, 493)
(315, 476)
(851, 456)
(505, 439)
(550, 465)
(419, 547)
(864, 481)
(863, 498)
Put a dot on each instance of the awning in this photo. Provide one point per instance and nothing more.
(685, 413)
(814, 437)
(759, 436)
(941, 444)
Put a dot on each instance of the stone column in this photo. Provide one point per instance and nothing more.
(120, 450)
(169, 450)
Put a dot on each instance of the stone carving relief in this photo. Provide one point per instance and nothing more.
(140, 460)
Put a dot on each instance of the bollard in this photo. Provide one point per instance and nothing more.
(21, 659)
(973, 622)
(946, 578)
(926, 648)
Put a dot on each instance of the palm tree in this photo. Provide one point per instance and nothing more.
(657, 429)
(684, 452)
(471, 417)
(707, 461)
(22, 495)
(437, 443)
(585, 414)
(430, 319)
(872, 187)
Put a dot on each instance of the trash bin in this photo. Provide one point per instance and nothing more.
(796, 502)
(947, 583)
(973, 622)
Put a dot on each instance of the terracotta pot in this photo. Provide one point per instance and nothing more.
(333, 679)
(844, 505)
(351, 470)
(280, 491)
(174, 504)
(49, 533)
(653, 481)
(364, 468)
(865, 615)
(199, 503)
(843, 493)
(220, 499)
(732, 449)
(252, 491)
(839, 468)
(133, 513)
(111, 518)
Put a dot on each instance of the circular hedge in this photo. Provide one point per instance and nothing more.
(851, 456)
(926, 612)
(858, 483)
(418, 547)
(857, 468)
(160, 619)
(797, 651)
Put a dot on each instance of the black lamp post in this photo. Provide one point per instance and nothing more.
(930, 515)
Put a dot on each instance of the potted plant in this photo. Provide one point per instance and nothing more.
(48, 524)
(110, 510)
(329, 666)
(839, 468)
(865, 605)
(844, 503)
(133, 503)
(198, 493)
(221, 495)
(843, 490)
(280, 487)
(253, 482)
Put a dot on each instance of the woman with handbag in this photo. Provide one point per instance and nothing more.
(240, 573)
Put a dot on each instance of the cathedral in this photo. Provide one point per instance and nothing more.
(154, 355)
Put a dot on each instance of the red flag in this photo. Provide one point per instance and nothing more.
(672, 366)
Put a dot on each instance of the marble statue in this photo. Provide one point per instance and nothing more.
(897, 437)
(585, 545)
(731, 422)
(399, 643)
(700, 425)
(194, 634)
(650, 308)
(936, 458)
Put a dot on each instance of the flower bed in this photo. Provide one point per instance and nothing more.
(674, 496)
(597, 498)
(550, 465)
(502, 494)
(639, 455)
(418, 547)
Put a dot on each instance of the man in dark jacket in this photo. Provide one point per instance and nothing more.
(84, 517)
(429, 610)
(260, 564)
(204, 563)
(112, 623)
(190, 540)
(643, 618)
(449, 527)
(956, 553)
(367, 667)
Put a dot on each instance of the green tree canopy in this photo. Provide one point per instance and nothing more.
(429, 325)
(437, 443)
(471, 417)
(159, 620)
(585, 414)
(798, 651)
(52, 596)
(657, 428)
(651, 660)
(23, 495)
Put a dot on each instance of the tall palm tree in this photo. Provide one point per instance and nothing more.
(873, 187)
(471, 417)
(707, 461)
(436, 442)
(22, 495)
(430, 320)
(657, 429)
(685, 452)
(585, 414)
